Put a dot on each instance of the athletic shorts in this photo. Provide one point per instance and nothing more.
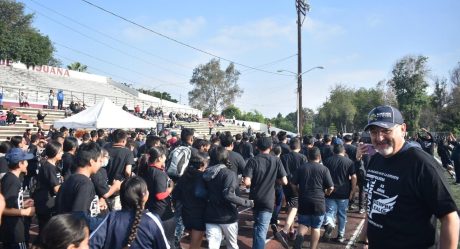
(313, 221)
(291, 196)
(194, 223)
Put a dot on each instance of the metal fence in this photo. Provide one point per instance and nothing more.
(40, 96)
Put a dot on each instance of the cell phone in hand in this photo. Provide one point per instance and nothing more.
(370, 149)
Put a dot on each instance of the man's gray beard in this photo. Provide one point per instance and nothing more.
(386, 151)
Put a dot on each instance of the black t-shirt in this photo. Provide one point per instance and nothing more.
(304, 150)
(49, 176)
(68, 165)
(291, 162)
(100, 182)
(77, 194)
(246, 150)
(312, 178)
(157, 183)
(3, 165)
(143, 149)
(119, 158)
(263, 170)
(341, 168)
(284, 148)
(237, 162)
(236, 147)
(326, 152)
(12, 228)
(404, 192)
(32, 163)
(351, 151)
(101, 142)
(192, 206)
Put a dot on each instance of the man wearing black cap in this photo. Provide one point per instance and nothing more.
(405, 188)
(260, 174)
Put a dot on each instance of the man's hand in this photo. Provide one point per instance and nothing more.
(28, 203)
(116, 184)
(102, 204)
(362, 149)
(30, 211)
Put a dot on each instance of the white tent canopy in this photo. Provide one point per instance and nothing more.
(104, 114)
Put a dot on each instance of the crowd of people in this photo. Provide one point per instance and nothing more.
(137, 189)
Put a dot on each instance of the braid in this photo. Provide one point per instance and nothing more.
(136, 222)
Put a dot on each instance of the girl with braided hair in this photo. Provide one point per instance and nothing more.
(160, 188)
(132, 227)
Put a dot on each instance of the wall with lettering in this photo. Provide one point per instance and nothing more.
(57, 71)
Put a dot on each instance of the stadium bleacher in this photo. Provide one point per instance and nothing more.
(78, 87)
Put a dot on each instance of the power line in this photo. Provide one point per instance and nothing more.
(111, 37)
(175, 40)
(105, 44)
(116, 65)
(273, 62)
(121, 78)
(127, 44)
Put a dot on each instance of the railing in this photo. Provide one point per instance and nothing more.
(40, 97)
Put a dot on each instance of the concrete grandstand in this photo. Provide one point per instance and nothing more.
(86, 88)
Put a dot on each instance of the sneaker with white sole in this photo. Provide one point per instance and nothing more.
(340, 239)
(327, 232)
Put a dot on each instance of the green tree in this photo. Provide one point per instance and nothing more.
(308, 121)
(410, 86)
(434, 109)
(283, 123)
(160, 95)
(364, 101)
(19, 41)
(77, 66)
(339, 109)
(231, 111)
(451, 115)
(213, 88)
(254, 116)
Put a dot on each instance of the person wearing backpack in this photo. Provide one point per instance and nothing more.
(179, 157)
(176, 164)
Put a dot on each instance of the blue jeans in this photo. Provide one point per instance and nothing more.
(261, 222)
(278, 203)
(336, 207)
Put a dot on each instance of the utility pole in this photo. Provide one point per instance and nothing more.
(302, 9)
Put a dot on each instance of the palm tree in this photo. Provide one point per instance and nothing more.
(77, 66)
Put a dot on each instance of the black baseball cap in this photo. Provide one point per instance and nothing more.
(16, 155)
(384, 116)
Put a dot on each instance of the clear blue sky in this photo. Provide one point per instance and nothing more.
(357, 42)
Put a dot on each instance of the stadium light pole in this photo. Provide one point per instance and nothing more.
(299, 95)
